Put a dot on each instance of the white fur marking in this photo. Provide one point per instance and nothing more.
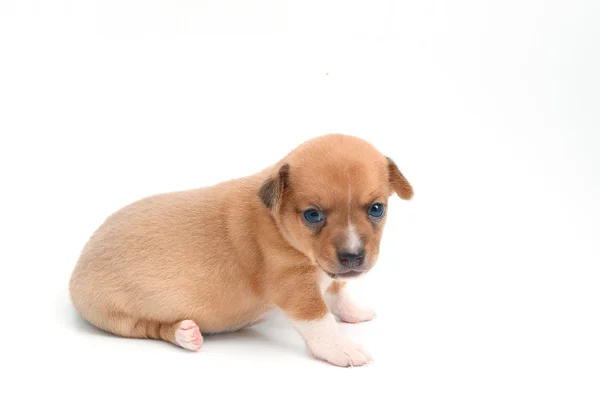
(323, 338)
(324, 282)
(353, 244)
(342, 306)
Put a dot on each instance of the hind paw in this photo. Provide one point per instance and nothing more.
(188, 335)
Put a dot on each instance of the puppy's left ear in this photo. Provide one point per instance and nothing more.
(271, 191)
(399, 183)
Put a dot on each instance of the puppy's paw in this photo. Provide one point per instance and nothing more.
(351, 314)
(188, 336)
(343, 354)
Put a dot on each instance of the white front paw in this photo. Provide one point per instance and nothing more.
(350, 313)
(343, 353)
(325, 342)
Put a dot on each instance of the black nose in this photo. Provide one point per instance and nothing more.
(351, 260)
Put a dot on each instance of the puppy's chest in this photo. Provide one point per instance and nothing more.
(324, 282)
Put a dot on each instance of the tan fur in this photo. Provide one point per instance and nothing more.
(222, 256)
(336, 287)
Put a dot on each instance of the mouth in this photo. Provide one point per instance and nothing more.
(347, 274)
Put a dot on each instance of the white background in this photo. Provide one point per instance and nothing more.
(488, 281)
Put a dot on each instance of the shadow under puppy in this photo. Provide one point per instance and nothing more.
(217, 258)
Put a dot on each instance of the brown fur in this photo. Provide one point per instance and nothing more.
(336, 287)
(224, 255)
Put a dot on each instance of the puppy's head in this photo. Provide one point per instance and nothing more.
(329, 197)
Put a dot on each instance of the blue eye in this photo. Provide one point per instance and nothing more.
(313, 216)
(376, 210)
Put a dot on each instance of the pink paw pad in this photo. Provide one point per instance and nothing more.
(188, 335)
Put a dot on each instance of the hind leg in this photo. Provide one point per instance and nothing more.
(183, 333)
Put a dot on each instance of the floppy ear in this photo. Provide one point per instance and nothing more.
(271, 191)
(399, 183)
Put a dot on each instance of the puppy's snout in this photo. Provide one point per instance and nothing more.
(351, 259)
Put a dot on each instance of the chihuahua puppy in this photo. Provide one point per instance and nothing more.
(217, 258)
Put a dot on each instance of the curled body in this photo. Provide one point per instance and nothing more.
(176, 265)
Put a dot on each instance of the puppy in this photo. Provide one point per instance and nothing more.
(217, 258)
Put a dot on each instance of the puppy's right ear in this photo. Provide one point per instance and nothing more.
(271, 191)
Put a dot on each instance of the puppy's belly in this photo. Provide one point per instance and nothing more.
(229, 310)
(213, 305)
(216, 296)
